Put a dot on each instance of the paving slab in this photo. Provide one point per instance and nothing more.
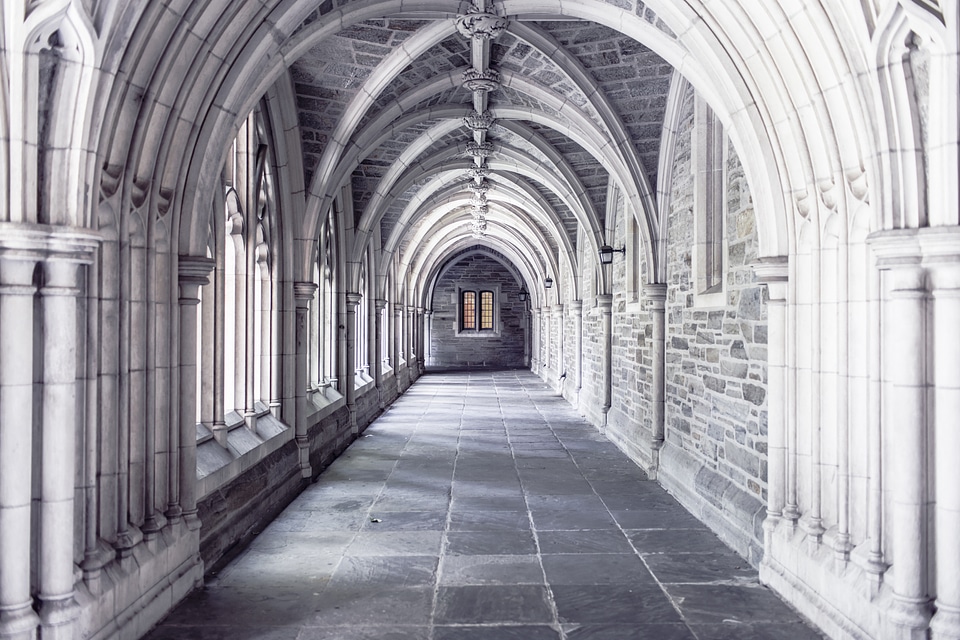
(481, 507)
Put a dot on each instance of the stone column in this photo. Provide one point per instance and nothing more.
(428, 336)
(376, 343)
(350, 383)
(411, 336)
(575, 307)
(946, 380)
(419, 328)
(17, 617)
(773, 273)
(58, 609)
(397, 339)
(192, 272)
(656, 294)
(904, 434)
(561, 367)
(535, 339)
(303, 293)
(548, 342)
(605, 302)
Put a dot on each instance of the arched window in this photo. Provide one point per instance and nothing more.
(240, 334)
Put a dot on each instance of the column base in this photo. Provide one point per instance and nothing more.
(19, 623)
(58, 617)
(945, 624)
(907, 620)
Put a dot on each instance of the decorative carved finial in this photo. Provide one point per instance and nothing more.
(477, 174)
(475, 80)
(481, 23)
(479, 150)
(479, 121)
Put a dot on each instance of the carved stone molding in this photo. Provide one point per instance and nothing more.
(480, 24)
(475, 80)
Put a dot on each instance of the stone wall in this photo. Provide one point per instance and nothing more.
(502, 348)
(716, 420)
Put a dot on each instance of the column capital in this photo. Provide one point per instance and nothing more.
(656, 294)
(353, 299)
(379, 304)
(605, 302)
(60, 278)
(575, 307)
(773, 271)
(398, 307)
(41, 242)
(304, 290)
(194, 270)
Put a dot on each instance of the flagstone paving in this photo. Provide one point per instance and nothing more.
(480, 506)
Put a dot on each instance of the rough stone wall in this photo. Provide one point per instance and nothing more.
(447, 348)
(716, 374)
(629, 422)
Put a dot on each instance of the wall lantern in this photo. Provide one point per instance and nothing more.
(523, 295)
(548, 282)
(606, 253)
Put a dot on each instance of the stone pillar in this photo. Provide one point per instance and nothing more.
(428, 336)
(575, 308)
(605, 302)
(376, 343)
(945, 282)
(350, 383)
(17, 617)
(904, 434)
(773, 272)
(303, 293)
(535, 339)
(192, 272)
(411, 337)
(656, 294)
(397, 338)
(58, 609)
(561, 367)
(419, 329)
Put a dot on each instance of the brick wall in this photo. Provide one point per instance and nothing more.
(450, 348)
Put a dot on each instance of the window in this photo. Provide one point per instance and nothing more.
(486, 310)
(477, 310)
(468, 310)
(709, 210)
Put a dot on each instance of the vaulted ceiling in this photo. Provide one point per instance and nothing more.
(475, 128)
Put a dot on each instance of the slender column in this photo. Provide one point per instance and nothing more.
(397, 337)
(946, 378)
(411, 332)
(376, 349)
(791, 507)
(656, 294)
(876, 563)
(58, 609)
(575, 308)
(192, 272)
(605, 302)
(419, 328)
(303, 293)
(558, 315)
(904, 432)
(353, 299)
(428, 336)
(548, 342)
(812, 521)
(526, 335)
(535, 339)
(267, 372)
(17, 617)
(773, 272)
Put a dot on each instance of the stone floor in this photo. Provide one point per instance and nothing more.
(480, 506)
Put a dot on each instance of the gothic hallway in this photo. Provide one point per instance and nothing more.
(481, 506)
